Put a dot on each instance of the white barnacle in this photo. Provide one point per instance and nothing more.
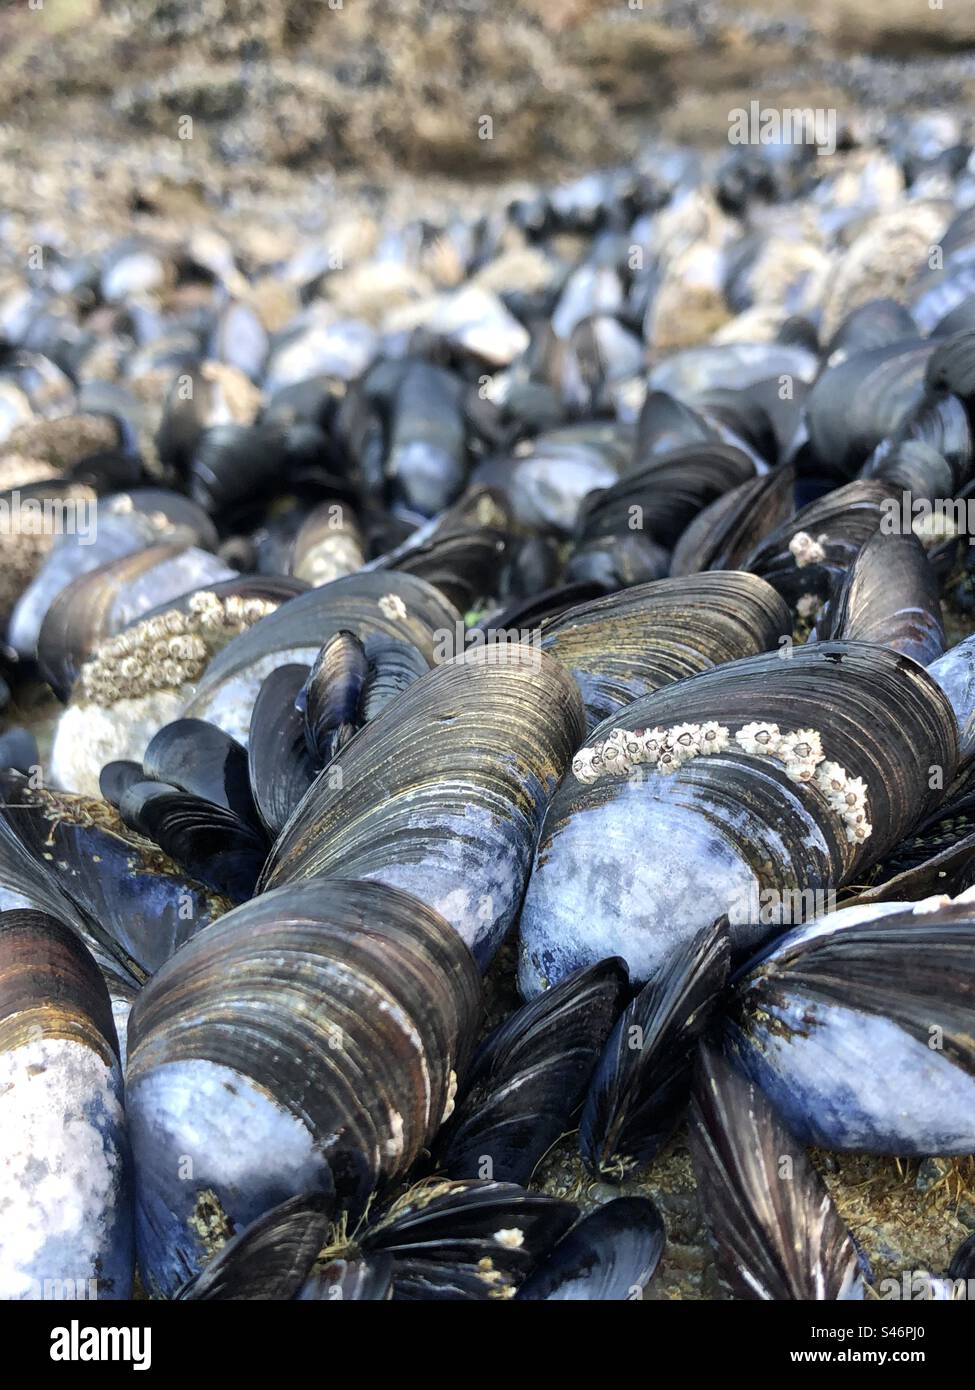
(392, 607)
(854, 796)
(805, 550)
(653, 741)
(633, 741)
(859, 831)
(714, 737)
(831, 779)
(808, 606)
(685, 739)
(511, 1238)
(759, 737)
(670, 760)
(582, 765)
(803, 746)
(615, 753)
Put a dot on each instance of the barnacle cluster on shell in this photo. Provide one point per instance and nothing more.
(665, 750)
(806, 550)
(168, 650)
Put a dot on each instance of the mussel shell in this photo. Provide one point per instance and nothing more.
(726, 532)
(199, 758)
(397, 605)
(611, 1255)
(642, 1079)
(466, 1240)
(637, 865)
(664, 497)
(776, 1233)
(529, 1076)
(890, 596)
(143, 905)
(271, 1258)
(443, 793)
(856, 403)
(860, 1027)
(127, 692)
(622, 647)
(62, 1125)
(332, 695)
(100, 603)
(310, 1036)
(280, 767)
(209, 842)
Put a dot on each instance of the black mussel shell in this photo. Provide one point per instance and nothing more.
(210, 842)
(271, 1258)
(529, 1077)
(611, 1255)
(201, 759)
(279, 765)
(722, 535)
(115, 779)
(642, 1080)
(890, 596)
(331, 698)
(466, 1240)
(775, 1231)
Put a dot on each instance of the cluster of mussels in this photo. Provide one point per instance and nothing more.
(688, 437)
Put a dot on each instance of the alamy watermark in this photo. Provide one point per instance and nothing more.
(519, 643)
(788, 125)
(49, 516)
(933, 518)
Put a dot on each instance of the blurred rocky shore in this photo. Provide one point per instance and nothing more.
(266, 109)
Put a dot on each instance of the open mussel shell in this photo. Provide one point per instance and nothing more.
(271, 1259)
(637, 861)
(97, 605)
(199, 758)
(728, 529)
(529, 1076)
(280, 767)
(397, 605)
(611, 1255)
(444, 792)
(628, 644)
(208, 841)
(67, 1226)
(141, 900)
(466, 1240)
(142, 678)
(775, 1231)
(642, 1079)
(310, 1038)
(890, 596)
(859, 1029)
